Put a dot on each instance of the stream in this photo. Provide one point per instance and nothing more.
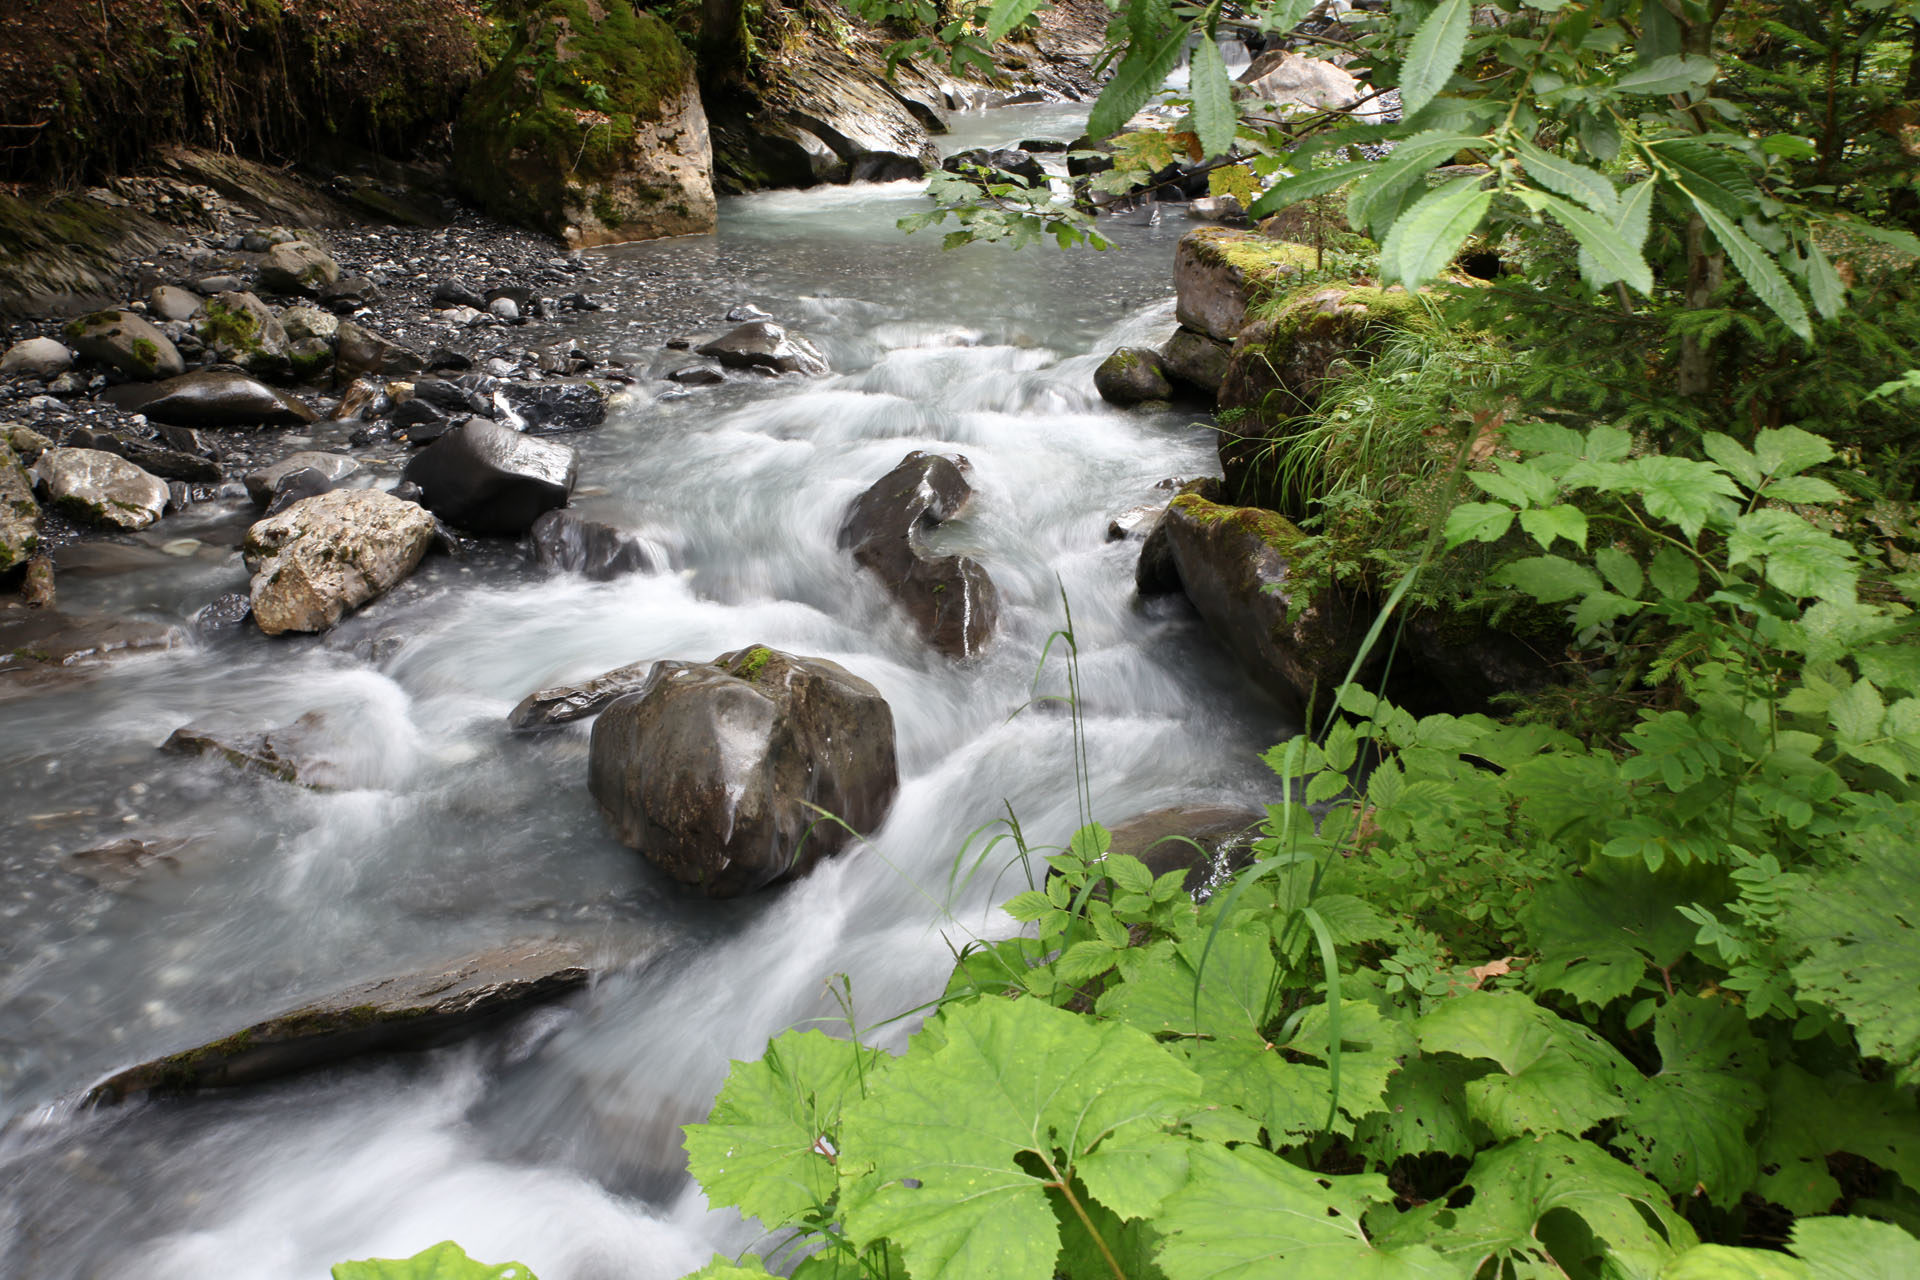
(556, 1142)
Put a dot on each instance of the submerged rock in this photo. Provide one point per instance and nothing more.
(40, 642)
(99, 488)
(127, 343)
(563, 540)
(632, 162)
(19, 513)
(767, 345)
(329, 554)
(950, 598)
(486, 478)
(293, 753)
(212, 399)
(546, 709)
(420, 1010)
(723, 774)
(334, 467)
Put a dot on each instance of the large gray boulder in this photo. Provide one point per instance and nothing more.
(212, 398)
(1235, 565)
(767, 345)
(240, 329)
(296, 268)
(1286, 80)
(99, 488)
(735, 774)
(127, 343)
(41, 358)
(326, 555)
(486, 478)
(950, 598)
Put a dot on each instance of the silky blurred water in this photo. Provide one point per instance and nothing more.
(556, 1143)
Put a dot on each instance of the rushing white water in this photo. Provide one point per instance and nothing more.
(557, 1143)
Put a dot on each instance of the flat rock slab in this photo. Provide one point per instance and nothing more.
(416, 1011)
(546, 709)
(293, 753)
(211, 399)
(37, 643)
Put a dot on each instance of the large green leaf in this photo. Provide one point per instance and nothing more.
(1246, 1214)
(933, 1162)
(1671, 74)
(1761, 273)
(1724, 1262)
(1810, 1118)
(444, 1261)
(1686, 1126)
(1435, 53)
(1690, 494)
(1601, 239)
(1139, 77)
(1008, 14)
(1710, 174)
(1596, 935)
(1860, 933)
(1855, 1249)
(1424, 1109)
(1214, 117)
(1522, 1191)
(1548, 579)
(767, 1147)
(1554, 1077)
(1305, 185)
(1427, 236)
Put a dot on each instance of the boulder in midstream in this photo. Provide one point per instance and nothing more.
(564, 540)
(766, 345)
(486, 478)
(99, 488)
(748, 770)
(951, 599)
(545, 709)
(329, 554)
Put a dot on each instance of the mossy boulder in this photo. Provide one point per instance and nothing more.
(240, 329)
(99, 488)
(19, 513)
(127, 343)
(1132, 375)
(590, 128)
(1218, 273)
(1235, 565)
(1280, 366)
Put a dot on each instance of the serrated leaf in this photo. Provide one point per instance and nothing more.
(1129, 873)
(1621, 571)
(1857, 712)
(748, 1267)
(1686, 1126)
(1688, 493)
(1810, 1119)
(1246, 1214)
(1786, 451)
(1008, 14)
(1139, 76)
(1725, 1262)
(1435, 54)
(1083, 961)
(1799, 559)
(1735, 457)
(932, 1161)
(1556, 173)
(1424, 1109)
(1478, 522)
(1709, 174)
(1028, 907)
(1855, 1249)
(1674, 574)
(1427, 236)
(1306, 185)
(1597, 935)
(1824, 283)
(1804, 490)
(1766, 279)
(1215, 118)
(1616, 257)
(1544, 524)
(1548, 579)
(759, 1150)
(1675, 73)
(443, 1261)
(1555, 1077)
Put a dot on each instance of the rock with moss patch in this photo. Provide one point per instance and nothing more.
(329, 554)
(297, 269)
(1235, 565)
(19, 513)
(126, 342)
(590, 128)
(213, 398)
(1219, 272)
(38, 645)
(748, 770)
(486, 478)
(420, 1010)
(1132, 375)
(99, 488)
(1196, 360)
(951, 600)
(240, 329)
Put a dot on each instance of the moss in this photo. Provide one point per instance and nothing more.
(147, 353)
(234, 328)
(1270, 527)
(751, 663)
(1262, 261)
(98, 320)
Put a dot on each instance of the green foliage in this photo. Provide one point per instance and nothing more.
(444, 1261)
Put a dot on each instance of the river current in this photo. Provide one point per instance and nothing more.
(556, 1143)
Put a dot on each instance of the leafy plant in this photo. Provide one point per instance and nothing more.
(443, 1261)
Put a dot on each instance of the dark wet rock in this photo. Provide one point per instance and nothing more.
(294, 753)
(486, 478)
(19, 513)
(212, 399)
(121, 861)
(720, 773)
(262, 483)
(539, 152)
(171, 302)
(449, 359)
(950, 598)
(242, 330)
(187, 440)
(363, 398)
(1454, 664)
(766, 345)
(546, 709)
(419, 413)
(99, 488)
(1131, 375)
(329, 554)
(697, 375)
(746, 312)
(349, 294)
(224, 613)
(1224, 834)
(358, 350)
(125, 342)
(563, 540)
(421, 1010)
(1234, 565)
(297, 269)
(1218, 272)
(419, 435)
(297, 486)
(457, 293)
(467, 395)
(41, 358)
(1196, 360)
(39, 643)
(1002, 164)
(168, 464)
(580, 302)
(552, 408)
